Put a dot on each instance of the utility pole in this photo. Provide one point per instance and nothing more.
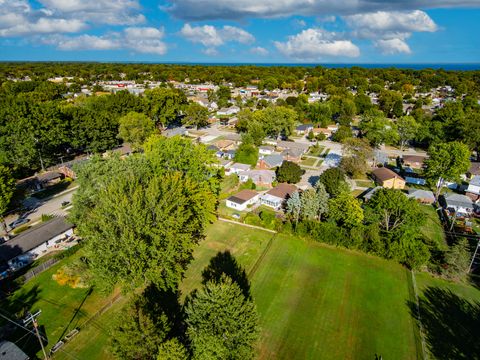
(32, 318)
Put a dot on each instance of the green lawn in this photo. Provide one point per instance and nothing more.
(365, 183)
(433, 229)
(309, 161)
(316, 151)
(450, 317)
(245, 244)
(63, 308)
(316, 302)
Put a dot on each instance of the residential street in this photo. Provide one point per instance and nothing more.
(51, 206)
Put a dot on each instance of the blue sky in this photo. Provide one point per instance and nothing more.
(314, 31)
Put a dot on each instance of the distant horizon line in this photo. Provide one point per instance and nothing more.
(412, 65)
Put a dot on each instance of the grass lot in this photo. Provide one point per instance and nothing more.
(318, 302)
(63, 308)
(449, 313)
(315, 301)
(309, 161)
(245, 244)
(433, 229)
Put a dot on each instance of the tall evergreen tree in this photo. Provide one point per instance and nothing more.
(221, 322)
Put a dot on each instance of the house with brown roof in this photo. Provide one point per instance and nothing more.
(278, 195)
(414, 161)
(242, 200)
(225, 145)
(388, 179)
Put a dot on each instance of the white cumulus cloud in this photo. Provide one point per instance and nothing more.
(146, 40)
(212, 37)
(389, 30)
(238, 9)
(258, 50)
(387, 24)
(315, 44)
(392, 46)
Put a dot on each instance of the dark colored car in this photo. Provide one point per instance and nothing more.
(18, 223)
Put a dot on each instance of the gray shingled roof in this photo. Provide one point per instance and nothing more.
(33, 237)
(10, 351)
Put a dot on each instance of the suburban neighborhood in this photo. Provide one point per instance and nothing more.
(222, 212)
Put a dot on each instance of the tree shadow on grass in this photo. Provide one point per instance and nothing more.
(451, 324)
(225, 263)
(167, 302)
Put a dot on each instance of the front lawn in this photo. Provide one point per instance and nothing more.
(309, 161)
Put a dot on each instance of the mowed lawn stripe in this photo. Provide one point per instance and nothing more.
(321, 303)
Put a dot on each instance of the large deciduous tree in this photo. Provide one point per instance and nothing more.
(7, 188)
(165, 105)
(135, 128)
(356, 153)
(141, 217)
(446, 162)
(289, 172)
(195, 115)
(334, 181)
(399, 220)
(407, 128)
(221, 322)
(345, 210)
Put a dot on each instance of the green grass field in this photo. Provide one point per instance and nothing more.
(314, 301)
(63, 308)
(450, 316)
(433, 229)
(309, 161)
(318, 302)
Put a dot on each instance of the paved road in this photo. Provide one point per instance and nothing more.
(48, 206)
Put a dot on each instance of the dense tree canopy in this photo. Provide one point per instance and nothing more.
(142, 216)
(289, 172)
(221, 322)
(135, 128)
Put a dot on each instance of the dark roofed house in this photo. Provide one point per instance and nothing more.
(10, 351)
(49, 178)
(460, 204)
(414, 161)
(27, 246)
(294, 154)
(270, 161)
(303, 129)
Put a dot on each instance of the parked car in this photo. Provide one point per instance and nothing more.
(65, 203)
(18, 223)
